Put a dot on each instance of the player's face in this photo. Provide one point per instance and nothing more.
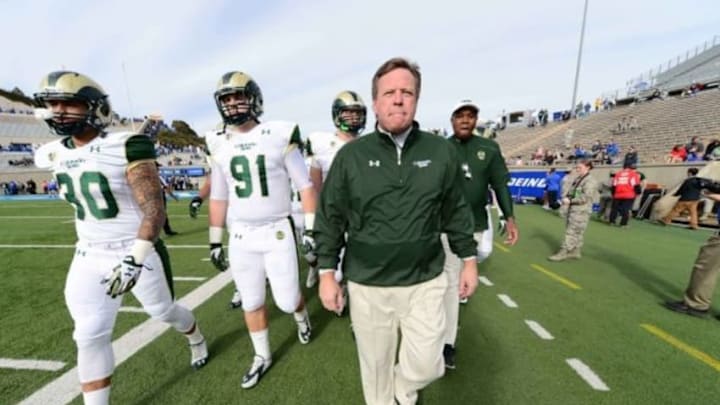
(67, 110)
(396, 100)
(352, 116)
(464, 122)
(235, 103)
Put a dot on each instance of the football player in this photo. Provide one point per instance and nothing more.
(112, 182)
(349, 115)
(252, 166)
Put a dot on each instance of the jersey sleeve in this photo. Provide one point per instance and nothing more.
(218, 188)
(44, 156)
(297, 170)
(139, 147)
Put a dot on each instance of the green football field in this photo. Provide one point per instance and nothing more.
(589, 331)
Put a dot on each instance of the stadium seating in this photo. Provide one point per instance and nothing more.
(663, 123)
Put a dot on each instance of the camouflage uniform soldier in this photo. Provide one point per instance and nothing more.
(576, 208)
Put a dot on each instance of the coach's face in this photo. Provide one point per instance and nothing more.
(396, 100)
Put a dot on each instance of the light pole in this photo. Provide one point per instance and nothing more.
(579, 59)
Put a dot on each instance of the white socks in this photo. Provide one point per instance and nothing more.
(97, 397)
(261, 343)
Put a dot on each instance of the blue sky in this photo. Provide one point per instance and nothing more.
(510, 54)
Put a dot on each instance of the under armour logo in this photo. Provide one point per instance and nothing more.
(265, 132)
(94, 149)
(422, 163)
(374, 163)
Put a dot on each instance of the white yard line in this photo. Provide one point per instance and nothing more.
(66, 387)
(189, 278)
(485, 281)
(587, 374)
(24, 364)
(132, 309)
(35, 216)
(539, 330)
(507, 301)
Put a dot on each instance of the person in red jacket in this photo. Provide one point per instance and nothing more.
(625, 187)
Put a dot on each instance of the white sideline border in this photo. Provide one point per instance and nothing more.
(31, 364)
(66, 388)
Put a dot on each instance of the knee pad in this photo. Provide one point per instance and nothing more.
(177, 316)
(95, 358)
(288, 303)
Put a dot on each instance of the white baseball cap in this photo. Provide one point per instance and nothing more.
(465, 103)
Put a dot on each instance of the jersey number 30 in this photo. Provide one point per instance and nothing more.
(240, 169)
(87, 179)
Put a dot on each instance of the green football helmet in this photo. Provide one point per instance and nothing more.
(349, 101)
(72, 86)
(241, 83)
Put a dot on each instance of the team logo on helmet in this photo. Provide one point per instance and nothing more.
(73, 86)
(348, 112)
(242, 84)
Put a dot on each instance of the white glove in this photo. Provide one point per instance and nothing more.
(502, 226)
(123, 277)
(194, 207)
(308, 248)
(217, 256)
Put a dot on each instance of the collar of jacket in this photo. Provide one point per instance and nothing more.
(385, 136)
(457, 139)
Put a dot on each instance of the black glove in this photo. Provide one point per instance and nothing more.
(217, 256)
(195, 205)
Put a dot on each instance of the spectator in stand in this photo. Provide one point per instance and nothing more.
(625, 188)
(588, 107)
(598, 104)
(569, 136)
(633, 124)
(613, 150)
(622, 125)
(708, 155)
(580, 152)
(678, 154)
(697, 144)
(597, 150)
(689, 193)
(692, 155)
(631, 157)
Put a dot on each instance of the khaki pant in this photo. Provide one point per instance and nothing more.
(377, 314)
(452, 268)
(704, 275)
(690, 206)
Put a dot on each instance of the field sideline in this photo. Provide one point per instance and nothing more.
(581, 332)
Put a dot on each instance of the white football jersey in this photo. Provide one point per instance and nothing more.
(250, 170)
(323, 146)
(93, 179)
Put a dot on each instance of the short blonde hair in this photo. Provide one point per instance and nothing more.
(397, 63)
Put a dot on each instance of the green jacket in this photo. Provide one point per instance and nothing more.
(485, 167)
(393, 207)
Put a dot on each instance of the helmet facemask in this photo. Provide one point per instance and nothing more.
(242, 85)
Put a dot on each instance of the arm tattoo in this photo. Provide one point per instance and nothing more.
(145, 184)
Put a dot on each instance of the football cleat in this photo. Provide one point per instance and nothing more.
(304, 331)
(257, 369)
(236, 301)
(198, 355)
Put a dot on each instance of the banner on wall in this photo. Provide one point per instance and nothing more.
(529, 184)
